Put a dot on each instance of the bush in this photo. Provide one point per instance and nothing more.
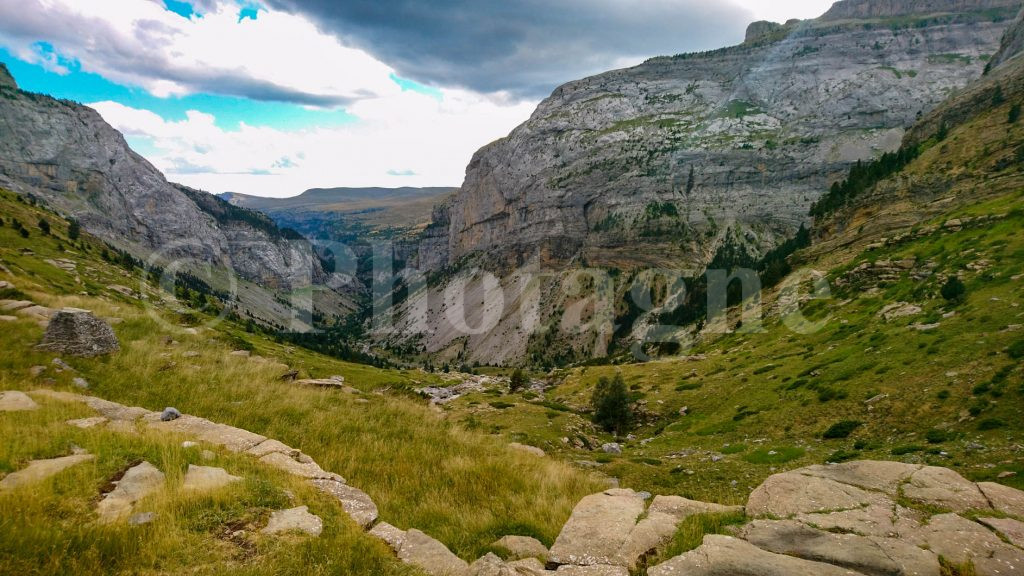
(1014, 113)
(44, 226)
(937, 436)
(991, 424)
(1016, 350)
(841, 430)
(518, 381)
(943, 395)
(842, 456)
(74, 230)
(612, 410)
(954, 290)
(909, 449)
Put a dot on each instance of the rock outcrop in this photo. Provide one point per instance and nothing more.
(662, 164)
(79, 333)
(39, 470)
(1012, 45)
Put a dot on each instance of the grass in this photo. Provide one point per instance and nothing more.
(424, 470)
(691, 532)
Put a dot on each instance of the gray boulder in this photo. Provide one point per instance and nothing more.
(79, 333)
(170, 414)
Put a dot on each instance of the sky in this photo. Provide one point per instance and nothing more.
(273, 97)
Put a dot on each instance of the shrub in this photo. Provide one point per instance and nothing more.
(612, 410)
(937, 436)
(1014, 113)
(502, 405)
(1016, 350)
(841, 430)
(842, 456)
(74, 230)
(518, 381)
(943, 395)
(909, 449)
(44, 226)
(954, 290)
(991, 424)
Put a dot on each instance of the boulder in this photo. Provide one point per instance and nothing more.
(597, 529)
(357, 504)
(870, 475)
(431, 556)
(1012, 530)
(522, 547)
(612, 448)
(294, 520)
(875, 556)
(39, 470)
(169, 414)
(726, 556)
(79, 333)
(390, 535)
(592, 571)
(137, 483)
(887, 521)
(205, 479)
(14, 401)
(491, 565)
(142, 518)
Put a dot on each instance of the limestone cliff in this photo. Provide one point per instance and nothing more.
(654, 164)
(65, 154)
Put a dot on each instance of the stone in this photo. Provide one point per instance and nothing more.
(233, 439)
(791, 493)
(85, 423)
(527, 449)
(37, 371)
(390, 535)
(14, 401)
(860, 553)
(1012, 530)
(142, 518)
(521, 547)
(62, 365)
(611, 448)
(528, 567)
(302, 466)
(660, 525)
(14, 305)
(960, 541)
(491, 565)
(4, 318)
(946, 489)
(357, 504)
(597, 529)
(241, 353)
(727, 556)
(80, 383)
(270, 446)
(205, 479)
(114, 411)
(170, 414)
(137, 483)
(294, 520)
(431, 556)
(592, 571)
(39, 470)
(886, 521)
(79, 333)
(1003, 498)
(870, 475)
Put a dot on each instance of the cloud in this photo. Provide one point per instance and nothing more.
(276, 57)
(430, 139)
(525, 47)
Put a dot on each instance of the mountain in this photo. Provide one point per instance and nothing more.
(340, 213)
(670, 163)
(64, 154)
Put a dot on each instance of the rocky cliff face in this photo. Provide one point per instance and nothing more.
(653, 164)
(865, 9)
(1013, 43)
(67, 155)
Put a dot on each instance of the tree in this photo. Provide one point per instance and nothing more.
(954, 290)
(74, 230)
(1014, 113)
(518, 381)
(611, 402)
(997, 97)
(44, 226)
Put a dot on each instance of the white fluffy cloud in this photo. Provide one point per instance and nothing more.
(405, 139)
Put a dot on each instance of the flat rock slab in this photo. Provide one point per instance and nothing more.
(137, 483)
(86, 423)
(233, 439)
(597, 529)
(725, 556)
(945, 488)
(864, 554)
(527, 449)
(592, 571)
(294, 520)
(879, 521)
(792, 493)
(206, 478)
(39, 470)
(871, 475)
(521, 547)
(961, 541)
(431, 556)
(1003, 498)
(663, 518)
(390, 535)
(302, 466)
(14, 401)
(357, 504)
(1013, 530)
(491, 565)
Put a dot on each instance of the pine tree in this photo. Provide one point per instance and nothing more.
(611, 403)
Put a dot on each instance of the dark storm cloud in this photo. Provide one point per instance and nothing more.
(526, 47)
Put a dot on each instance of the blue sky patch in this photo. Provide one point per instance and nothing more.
(413, 86)
(183, 9)
(229, 111)
(249, 10)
